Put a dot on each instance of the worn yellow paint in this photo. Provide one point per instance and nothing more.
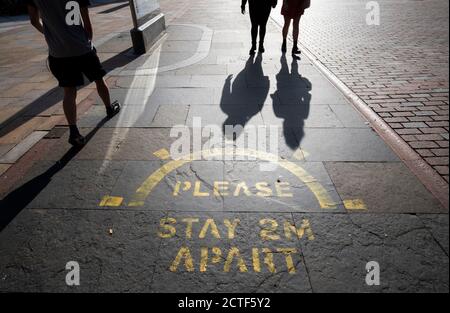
(189, 224)
(268, 260)
(289, 260)
(282, 189)
(204, 260)
(269, 228)
(232, 254)
(231, 227)
(109, 201)
(162, 154)
(242, 186)
(198, 192)
(153, 180)
(256, 261)
(185, 254)
(355, 205)
(221, 188)
(166, 229)
(217, 255)
(263, 189)
(214, 230)
(300, 232)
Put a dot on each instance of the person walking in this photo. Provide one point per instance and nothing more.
(293, 10)
(259, 15)
(68, 31)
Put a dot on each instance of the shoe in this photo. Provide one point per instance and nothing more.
(261, 49)
(113, 109)
(284, 47)
(296, 50)
(77, 140)
(253, 49)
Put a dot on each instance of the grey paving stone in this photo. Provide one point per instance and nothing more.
(180, 46)
(384, 187)
(134, 95)
(437, 224)
(227, 115)
(348, 116)
(37, 245)
(80, 184)
(129, 116)
(328, 95)
(214, 81)
(182, 96)
(117, 44)
(279, 190)
(345, 144)
(344, 244)
(203, 69)
(120, 144)
(302, 115)
(247, 237)
(169, 116)
(182, 32)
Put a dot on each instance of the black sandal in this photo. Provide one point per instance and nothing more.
(113, 110)
(296, 50)
(77, 141)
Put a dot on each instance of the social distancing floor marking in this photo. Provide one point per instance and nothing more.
(277, 253)
(324, 199)
(143, 192)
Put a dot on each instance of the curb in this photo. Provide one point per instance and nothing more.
(423, 171)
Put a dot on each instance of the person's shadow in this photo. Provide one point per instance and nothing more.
(245, 97)
(291, 102)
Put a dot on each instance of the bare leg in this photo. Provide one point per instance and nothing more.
(103, 92)
(296, 27)
(70, 105)
(295, 34)
(287, 23)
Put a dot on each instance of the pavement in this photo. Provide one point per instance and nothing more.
(235, 215)
(399, 68)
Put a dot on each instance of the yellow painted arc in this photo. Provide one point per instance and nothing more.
(153, 180)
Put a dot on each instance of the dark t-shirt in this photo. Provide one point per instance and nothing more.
(63, 39)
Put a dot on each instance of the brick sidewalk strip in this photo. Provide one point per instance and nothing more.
(399, 68)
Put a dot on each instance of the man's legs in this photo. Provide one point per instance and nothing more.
(70, 105)
(103, 92)
(70, 110)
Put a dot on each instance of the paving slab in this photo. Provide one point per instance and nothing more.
(80, 184)
(344, 244)
(233, 265)
(384, 187)
(346, 144)
(116, 251)
(256, 187)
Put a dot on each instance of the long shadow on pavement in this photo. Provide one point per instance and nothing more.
(18, 199)
(55, 95)
(291, 102)
(245, 98)
(241, 103)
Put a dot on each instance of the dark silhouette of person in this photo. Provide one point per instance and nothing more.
(241, 103)
(259, 15)
(295, 88)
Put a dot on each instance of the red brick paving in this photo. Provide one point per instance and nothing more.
(399, 68)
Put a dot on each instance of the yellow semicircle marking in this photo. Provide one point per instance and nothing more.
(153, 180)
